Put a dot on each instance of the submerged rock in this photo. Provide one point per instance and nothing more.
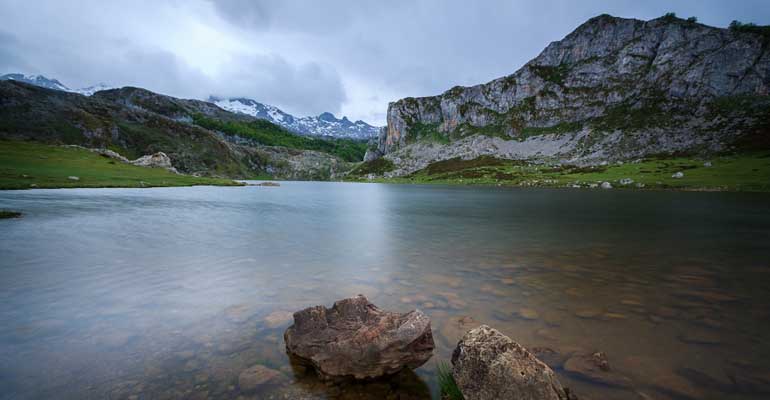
(489, 365)
(595, 367)
(258, 375)
(356, 339)
(278, 318)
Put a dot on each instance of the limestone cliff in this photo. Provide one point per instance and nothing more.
(613, 89)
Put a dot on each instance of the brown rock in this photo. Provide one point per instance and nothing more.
(595, 367)
(356, 339)
(258, 375)
(278, 318)
(527, 313)
(488, 365)
(588, 313)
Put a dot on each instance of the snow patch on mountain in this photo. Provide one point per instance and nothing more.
(325, 124)
(42, 81)
(90, 90)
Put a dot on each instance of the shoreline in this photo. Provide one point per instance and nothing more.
(599, 189)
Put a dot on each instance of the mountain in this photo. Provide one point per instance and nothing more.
(614, 89)
(90, 90)
(135, 122)
(325, 124)
(37, 80)
(42, 81)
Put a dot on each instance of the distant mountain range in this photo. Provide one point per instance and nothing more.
(325, 124)
(196, 135)
(42, 81)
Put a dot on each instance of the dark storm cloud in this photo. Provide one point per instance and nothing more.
(308, 56)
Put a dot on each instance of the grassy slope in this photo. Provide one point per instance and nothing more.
(745, 172)
(269, 134)
(23, 164)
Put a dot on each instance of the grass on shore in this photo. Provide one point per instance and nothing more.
(25, 165)
(743, 172)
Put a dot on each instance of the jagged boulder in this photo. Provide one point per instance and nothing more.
(487, 365)
(157, 160)
(355, 339)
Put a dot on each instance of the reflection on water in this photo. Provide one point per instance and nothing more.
(169, 293)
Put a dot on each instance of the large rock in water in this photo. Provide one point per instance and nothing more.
(488, 365)
(356, 339)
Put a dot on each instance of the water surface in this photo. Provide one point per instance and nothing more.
(172, 292)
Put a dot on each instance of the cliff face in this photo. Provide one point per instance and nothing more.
(614, 88)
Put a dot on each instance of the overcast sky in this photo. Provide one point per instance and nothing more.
(347, 57)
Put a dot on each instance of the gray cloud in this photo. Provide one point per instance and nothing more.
(11, 54)
(349, 57)
(308, 86)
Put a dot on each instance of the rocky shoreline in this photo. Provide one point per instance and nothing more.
(355, 340)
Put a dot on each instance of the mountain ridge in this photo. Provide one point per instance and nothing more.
(135, 122)
(325, 124)
(54, 84)
(613, 89)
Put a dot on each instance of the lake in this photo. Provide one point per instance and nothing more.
(172, 292)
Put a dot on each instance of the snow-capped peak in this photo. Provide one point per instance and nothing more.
(42, 81)
(37, 80)
(88, 91)
(325, 124)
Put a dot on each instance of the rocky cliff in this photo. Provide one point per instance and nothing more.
(613, 89)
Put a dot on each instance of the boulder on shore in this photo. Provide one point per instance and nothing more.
(355, 339)
(487, 365)
(157, 160)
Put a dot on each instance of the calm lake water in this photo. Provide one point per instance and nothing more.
(172, 292)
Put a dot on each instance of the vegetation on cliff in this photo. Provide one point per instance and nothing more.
(269, 134)
(615, 89)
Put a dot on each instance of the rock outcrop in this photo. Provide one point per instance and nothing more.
(487, 365)
(355, 339)
(614, 88)
(157, 160)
